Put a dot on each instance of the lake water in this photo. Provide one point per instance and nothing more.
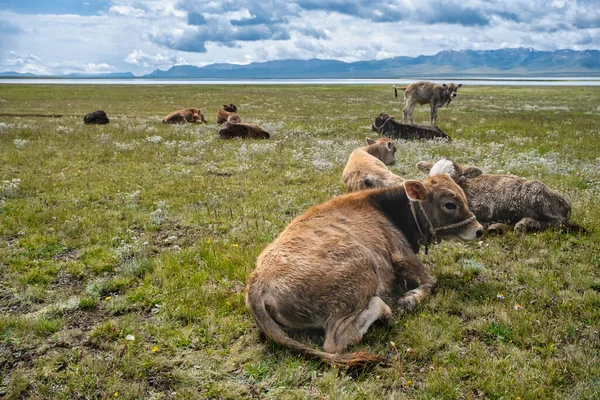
(546, 81)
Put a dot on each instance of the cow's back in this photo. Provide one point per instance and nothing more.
(341, 250)
(425, 92)
(510, 198)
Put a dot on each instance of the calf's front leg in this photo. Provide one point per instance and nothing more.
(528, 224)
(409, 268)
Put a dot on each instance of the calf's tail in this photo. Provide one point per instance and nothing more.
(396, 90)
(573, 227)
(267, 325)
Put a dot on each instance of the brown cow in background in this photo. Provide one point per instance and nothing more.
(188, 115)
(228, 113)
(366, 166)
(231, 130)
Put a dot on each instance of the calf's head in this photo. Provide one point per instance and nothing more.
(451, 90)
(384, 149)
(198, 118)
(230, 108)
(459, 173)
(380, 119)
(443, 207)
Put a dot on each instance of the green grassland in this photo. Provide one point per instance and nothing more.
(144, 229)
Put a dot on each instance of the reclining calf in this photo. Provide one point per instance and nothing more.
(366, 166)
(335, 266)
(497, 200)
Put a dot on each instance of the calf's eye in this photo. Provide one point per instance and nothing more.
(450, 206)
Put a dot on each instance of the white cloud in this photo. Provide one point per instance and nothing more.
(139, 57)
(142, 35)
(29, 63)
(127, 11)
(91, 68)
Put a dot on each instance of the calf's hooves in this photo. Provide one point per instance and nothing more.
(406, 304)
(497, 229)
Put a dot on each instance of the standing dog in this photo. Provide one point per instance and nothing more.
(426, 93)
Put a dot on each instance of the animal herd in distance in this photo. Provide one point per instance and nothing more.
(336, 266)
(227, 117)
(436, 95)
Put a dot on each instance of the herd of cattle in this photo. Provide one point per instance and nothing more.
(335, 267)
(231, 123)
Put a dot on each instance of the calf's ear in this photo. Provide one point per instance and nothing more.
(415, 190)
(424, 166)
(370, 141)
(472, 172)
(389, 145)
(444, 86)
(459, 85)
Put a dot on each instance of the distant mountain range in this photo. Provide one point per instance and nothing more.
(517, 62)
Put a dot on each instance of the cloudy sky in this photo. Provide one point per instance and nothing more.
(64, 36)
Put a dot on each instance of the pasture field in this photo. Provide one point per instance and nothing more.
(138, 230)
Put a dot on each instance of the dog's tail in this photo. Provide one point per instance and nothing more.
(396, 90)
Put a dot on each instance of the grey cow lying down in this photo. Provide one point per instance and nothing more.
(498, 200)
(335, 266)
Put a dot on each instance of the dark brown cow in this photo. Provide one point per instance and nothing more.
(228, 113)
(335, 266)
(245, 131)
(387, 126)
(497, 200)
(98, 117)
(426, 93)
(187, 115)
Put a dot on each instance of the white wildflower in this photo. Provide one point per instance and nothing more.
(20, 143)
(63, 129)
(243, 152)
(125, 146)
(322, 164)
(10, 188)
(159, 215)
(153, 139)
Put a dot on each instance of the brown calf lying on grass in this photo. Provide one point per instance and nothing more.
(245, 131)
(188, 115)
(228, 113)
(430, 93)
(497, 200)
(333, 266)
(366, 167)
